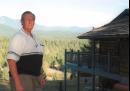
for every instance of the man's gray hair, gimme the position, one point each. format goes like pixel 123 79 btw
pixel 27 12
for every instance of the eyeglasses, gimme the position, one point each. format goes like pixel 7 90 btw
pixel 36 44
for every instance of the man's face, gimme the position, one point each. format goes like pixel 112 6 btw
pixel 28 22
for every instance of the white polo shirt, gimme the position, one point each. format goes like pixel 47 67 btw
pixel 27 52
pixel 23 44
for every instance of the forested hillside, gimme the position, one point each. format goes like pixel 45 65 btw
pixel 54 39
pixel 53 52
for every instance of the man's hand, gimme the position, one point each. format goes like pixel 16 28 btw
pixel 19 87
pixel 42 81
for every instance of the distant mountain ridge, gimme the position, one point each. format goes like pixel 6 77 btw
pixel 10 22
pixel 7 24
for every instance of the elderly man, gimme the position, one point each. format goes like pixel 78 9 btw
pixel 25 57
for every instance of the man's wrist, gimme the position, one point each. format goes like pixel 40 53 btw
pixel 43 74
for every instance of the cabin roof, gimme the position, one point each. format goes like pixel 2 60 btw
pixel 118 28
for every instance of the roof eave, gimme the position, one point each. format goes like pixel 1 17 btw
pixel 105 36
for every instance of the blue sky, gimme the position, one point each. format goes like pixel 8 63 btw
pixel 81 13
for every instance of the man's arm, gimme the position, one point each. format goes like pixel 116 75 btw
pixel 43 74
pixel 42 78
pixel 14 74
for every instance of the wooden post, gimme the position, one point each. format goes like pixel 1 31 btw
pixel 65 72
pixel 78 78
pixel 109 62
pixel 93 65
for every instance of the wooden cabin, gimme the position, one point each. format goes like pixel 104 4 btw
pixel 109 57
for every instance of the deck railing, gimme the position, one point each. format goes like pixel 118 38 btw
pixel 105 63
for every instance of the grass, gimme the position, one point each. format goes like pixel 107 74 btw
pixel 4 85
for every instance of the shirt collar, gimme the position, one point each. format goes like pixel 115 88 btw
pixel 23 31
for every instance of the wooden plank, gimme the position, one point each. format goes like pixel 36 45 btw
pixel 98 72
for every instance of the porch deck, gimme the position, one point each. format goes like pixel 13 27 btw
pixel 96 64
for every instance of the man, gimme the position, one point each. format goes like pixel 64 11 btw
pixel 25 57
